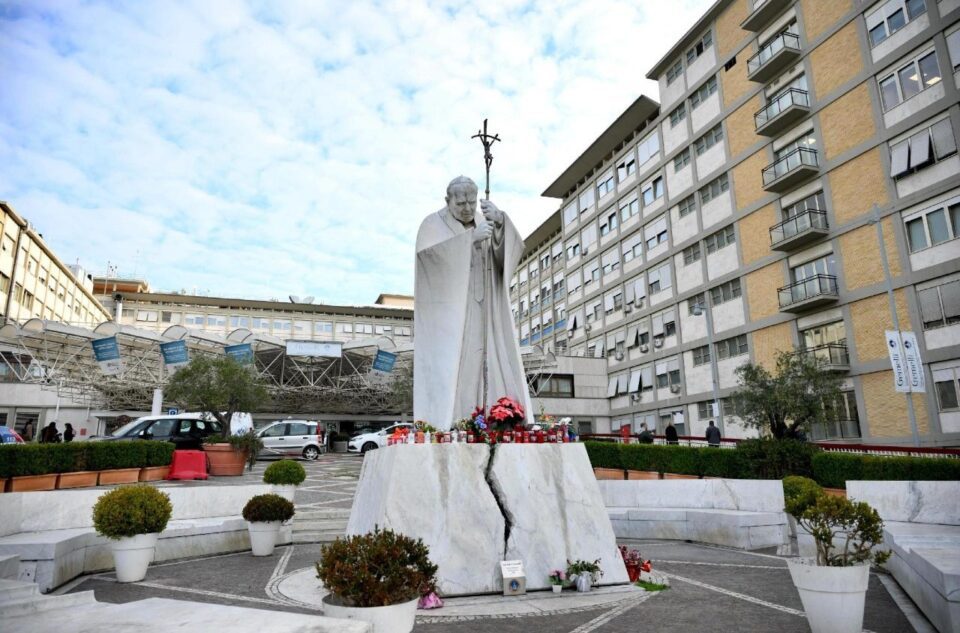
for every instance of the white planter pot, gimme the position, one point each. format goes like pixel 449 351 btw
pixel 833 597
pixel 285 490
pixel 132 555
pixel 263 536
pixel 556 588
pixel 396 618
pixel 583 582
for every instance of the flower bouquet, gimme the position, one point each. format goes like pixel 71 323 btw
pixel 584 573
pixel 634 562
pixel 557 577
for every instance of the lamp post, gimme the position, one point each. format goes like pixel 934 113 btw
pixel 699 308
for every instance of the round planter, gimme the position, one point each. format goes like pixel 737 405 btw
pixel 584 581
pixel 224 460
pixel 263 536
pixel 132 555
pixel 339 447
pixel 833 597
pixel 29 483
pixel 396 618
pixel 287 491
pixel 556 588
pixel 80 479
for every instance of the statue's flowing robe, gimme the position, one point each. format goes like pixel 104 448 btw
pixel 449 303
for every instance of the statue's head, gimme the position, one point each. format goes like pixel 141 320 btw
pixel 462 199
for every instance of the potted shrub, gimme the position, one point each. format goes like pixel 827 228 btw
pixel 117 462
pixel 70 460
pixel 227 454
pixel 557 577
pixel 340 440
pixel 833 585
pixel 264 515
pixel 800 493
pixel 584 573
pixel 376 577
pixel 29 467
pixel 132 517
pixel 285 475
pixel 157 460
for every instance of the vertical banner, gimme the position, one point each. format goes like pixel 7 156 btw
pixel 913 362
pixel 107 353
pixel 384 361
pixel 175 353
pixel 896 361
pixel 242 353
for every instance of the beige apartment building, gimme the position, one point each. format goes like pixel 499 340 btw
pixel 797 189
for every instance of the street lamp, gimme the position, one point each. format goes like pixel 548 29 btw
pixel 700 307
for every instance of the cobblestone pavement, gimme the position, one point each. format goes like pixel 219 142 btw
pixel 713 588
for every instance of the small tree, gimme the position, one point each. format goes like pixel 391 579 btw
pixel 219 386
pixel 789 401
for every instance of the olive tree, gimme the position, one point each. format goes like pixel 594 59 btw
pixel 217 385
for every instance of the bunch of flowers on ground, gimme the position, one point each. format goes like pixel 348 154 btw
pixel 557 577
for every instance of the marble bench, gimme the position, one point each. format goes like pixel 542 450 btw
pixel 745 514
pixel 53 535
pixel 922 531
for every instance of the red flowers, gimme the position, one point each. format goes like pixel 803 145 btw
pixel 507 411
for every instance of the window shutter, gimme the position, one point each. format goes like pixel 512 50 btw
pixel 632 339
pixel 598 350
pixel 930 310
pixel 640 288
pixel 634 381
pixel 608 303
pixel 944 142
pixel 612 387
pixel 899 159
pixel 920 149
pixel 622 383
pixel 647 376
pixel 950 294
pixel 658 325
pixel 630 292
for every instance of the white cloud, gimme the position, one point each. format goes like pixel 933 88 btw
pixel 266 149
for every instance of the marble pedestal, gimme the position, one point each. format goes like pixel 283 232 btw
pixel 539 503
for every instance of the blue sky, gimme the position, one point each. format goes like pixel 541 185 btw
pixel 265 149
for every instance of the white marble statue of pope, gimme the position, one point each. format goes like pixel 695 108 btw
pixel 450 299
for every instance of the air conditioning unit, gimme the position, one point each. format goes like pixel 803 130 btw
pixel 619 356
pixel 584 252
pixel 658 341
pixel 675 388
pixel 628 308
pixel 635 397
pixel 644 348
pixel 587 327
pixel 639 303
pixel 570 333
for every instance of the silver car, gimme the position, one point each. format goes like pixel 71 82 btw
pixel 291 438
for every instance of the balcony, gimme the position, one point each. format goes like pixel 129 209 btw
pixel 763 12
pixel 775 57
pixel 790 170
pixel 808 293
pixel 786 109
pixel 799 230
pixel 832 356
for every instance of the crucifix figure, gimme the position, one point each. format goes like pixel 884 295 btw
pixel 466 353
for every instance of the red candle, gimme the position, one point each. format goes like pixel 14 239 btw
pixel 540 437
pixel 469 438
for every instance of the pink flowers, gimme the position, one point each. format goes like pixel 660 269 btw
pixel 507 412
pixel 557 577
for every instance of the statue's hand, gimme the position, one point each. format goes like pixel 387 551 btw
pixel 491 212
pixel 482 231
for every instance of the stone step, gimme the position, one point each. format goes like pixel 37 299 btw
pixel 10 567
pixel 76 603
pixel 16 590
pixel 320 526
pixel 325 513
pixel 316 537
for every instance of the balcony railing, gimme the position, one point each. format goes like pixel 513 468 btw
pixel 774 57
pixel 833 356
pixel 807 293
pixel 800 229
pixel 790 169
pixel 787 107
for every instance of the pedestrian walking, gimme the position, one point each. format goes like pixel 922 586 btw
pixel 645 437
pixel 713 435
pixel 671 433
pixel 50 434
pixel 27 431
pixel 68 433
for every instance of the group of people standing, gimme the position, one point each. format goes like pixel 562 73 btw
pixel 49 434
pixel 712 435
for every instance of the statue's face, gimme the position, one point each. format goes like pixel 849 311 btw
pixel 462 203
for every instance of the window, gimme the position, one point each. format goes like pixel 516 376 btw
pixel 609 223
pixel 698 49
pixel 705 409
pixel 826 334
pixel 193 319
pixel 953 46
pixel 591 273
pixel 149 316
pixel 545 261
pixel 940 305
pixel 679 114
pixel 282 325
pixel 909 80
pixel 668 373
pixel 656 233
pixel 610 262
pixel 922 149
pixel 807 140
pixel 815 202
pixel 945 381
pixel 702 93
pixel 629 208
pixel 664 324
pixel 933 226
pixel 714 188
pixel 674 71
pixel 573 282
pixel 731 347
pixel 708 140
pixel 723 237
pixel 626 167
pixel 730 407
pixel 822 266
pixel 345 328
pixel 687 206
pixel 569 213
pixel 652 191
pixel 681 160
pixel 701 356
pixel 647 148
pixel 659 279
pixel 556 251
pixel 588 237
pixel 725 292
pixel 891 17
pixel 613 301
pixel 697 301
pixel 605 184
pixel 557 386
pixel 691 254
pixel 632 247
pixel 587 199
pixel 573 248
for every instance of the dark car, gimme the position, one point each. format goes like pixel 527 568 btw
pixel 186 432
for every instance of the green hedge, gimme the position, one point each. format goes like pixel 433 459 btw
pixel 17 460
pixel 833 470
pixel 604 454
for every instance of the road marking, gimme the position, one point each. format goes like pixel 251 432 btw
pixel 735 594
pixel 600 620
pixel 690 562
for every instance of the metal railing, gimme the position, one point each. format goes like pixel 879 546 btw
pixel 808 288
pixel 830 353
pixel 800 223
pixel 792 160
pixel 787 98
pixel 771 48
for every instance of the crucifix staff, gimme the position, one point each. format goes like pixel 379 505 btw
pixel 488 140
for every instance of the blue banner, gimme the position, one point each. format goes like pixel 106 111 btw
pixel 384 361
pixel 175 353
pixel 107 353
pixel 242 353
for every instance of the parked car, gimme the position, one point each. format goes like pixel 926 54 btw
pixel 185 430
pixel 364 442
pixel 289 438
pixel 9 436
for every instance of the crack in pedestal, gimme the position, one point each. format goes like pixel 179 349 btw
pixel 495 491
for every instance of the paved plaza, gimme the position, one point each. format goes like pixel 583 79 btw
pixel 712 588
